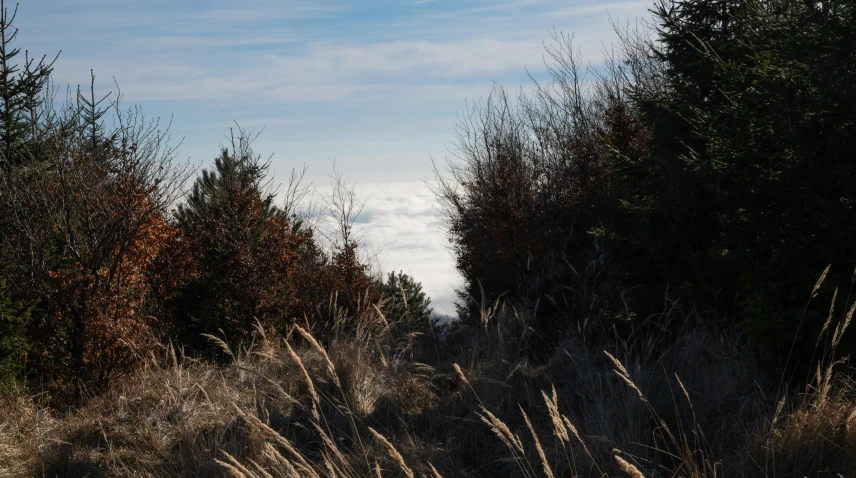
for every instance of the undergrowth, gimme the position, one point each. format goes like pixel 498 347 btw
pixel 380 402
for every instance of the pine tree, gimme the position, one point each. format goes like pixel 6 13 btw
pixel 244 253
pixel 406 303
pixel 21 86
pixel 234 185
pixel 90 118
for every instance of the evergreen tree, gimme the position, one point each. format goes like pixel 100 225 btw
pixel 747 193
pixel 406 303
pixel 229 190
pixel 90 121
pixel 244 253
pixel 21 86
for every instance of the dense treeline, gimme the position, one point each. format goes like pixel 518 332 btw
pixel 711 161
pixel 104 257
pixel 645 247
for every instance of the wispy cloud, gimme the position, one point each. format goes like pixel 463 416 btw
pixel 513 5
pixel 323 72
pixel 426 59
pixel 620 9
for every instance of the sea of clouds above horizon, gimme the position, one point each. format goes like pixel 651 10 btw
pixel 400 230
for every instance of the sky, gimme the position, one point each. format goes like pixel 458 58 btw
pixel 372 85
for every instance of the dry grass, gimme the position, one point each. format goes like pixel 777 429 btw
pixel 365 405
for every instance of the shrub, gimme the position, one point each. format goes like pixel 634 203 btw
pixel 13 340
pixel 87 219
pixel 531 182
pixel 340 283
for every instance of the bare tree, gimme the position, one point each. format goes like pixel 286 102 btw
pixel 294 196
pixel 341 207
pixel 529 170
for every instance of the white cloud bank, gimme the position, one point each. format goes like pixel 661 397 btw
pixel 402 221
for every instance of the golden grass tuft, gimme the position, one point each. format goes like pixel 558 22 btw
pixel 548 471
pixel 396 456
pixel 628 468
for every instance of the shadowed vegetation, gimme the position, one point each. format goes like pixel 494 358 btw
pixel 645 246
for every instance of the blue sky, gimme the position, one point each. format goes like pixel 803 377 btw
pixel 374 85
